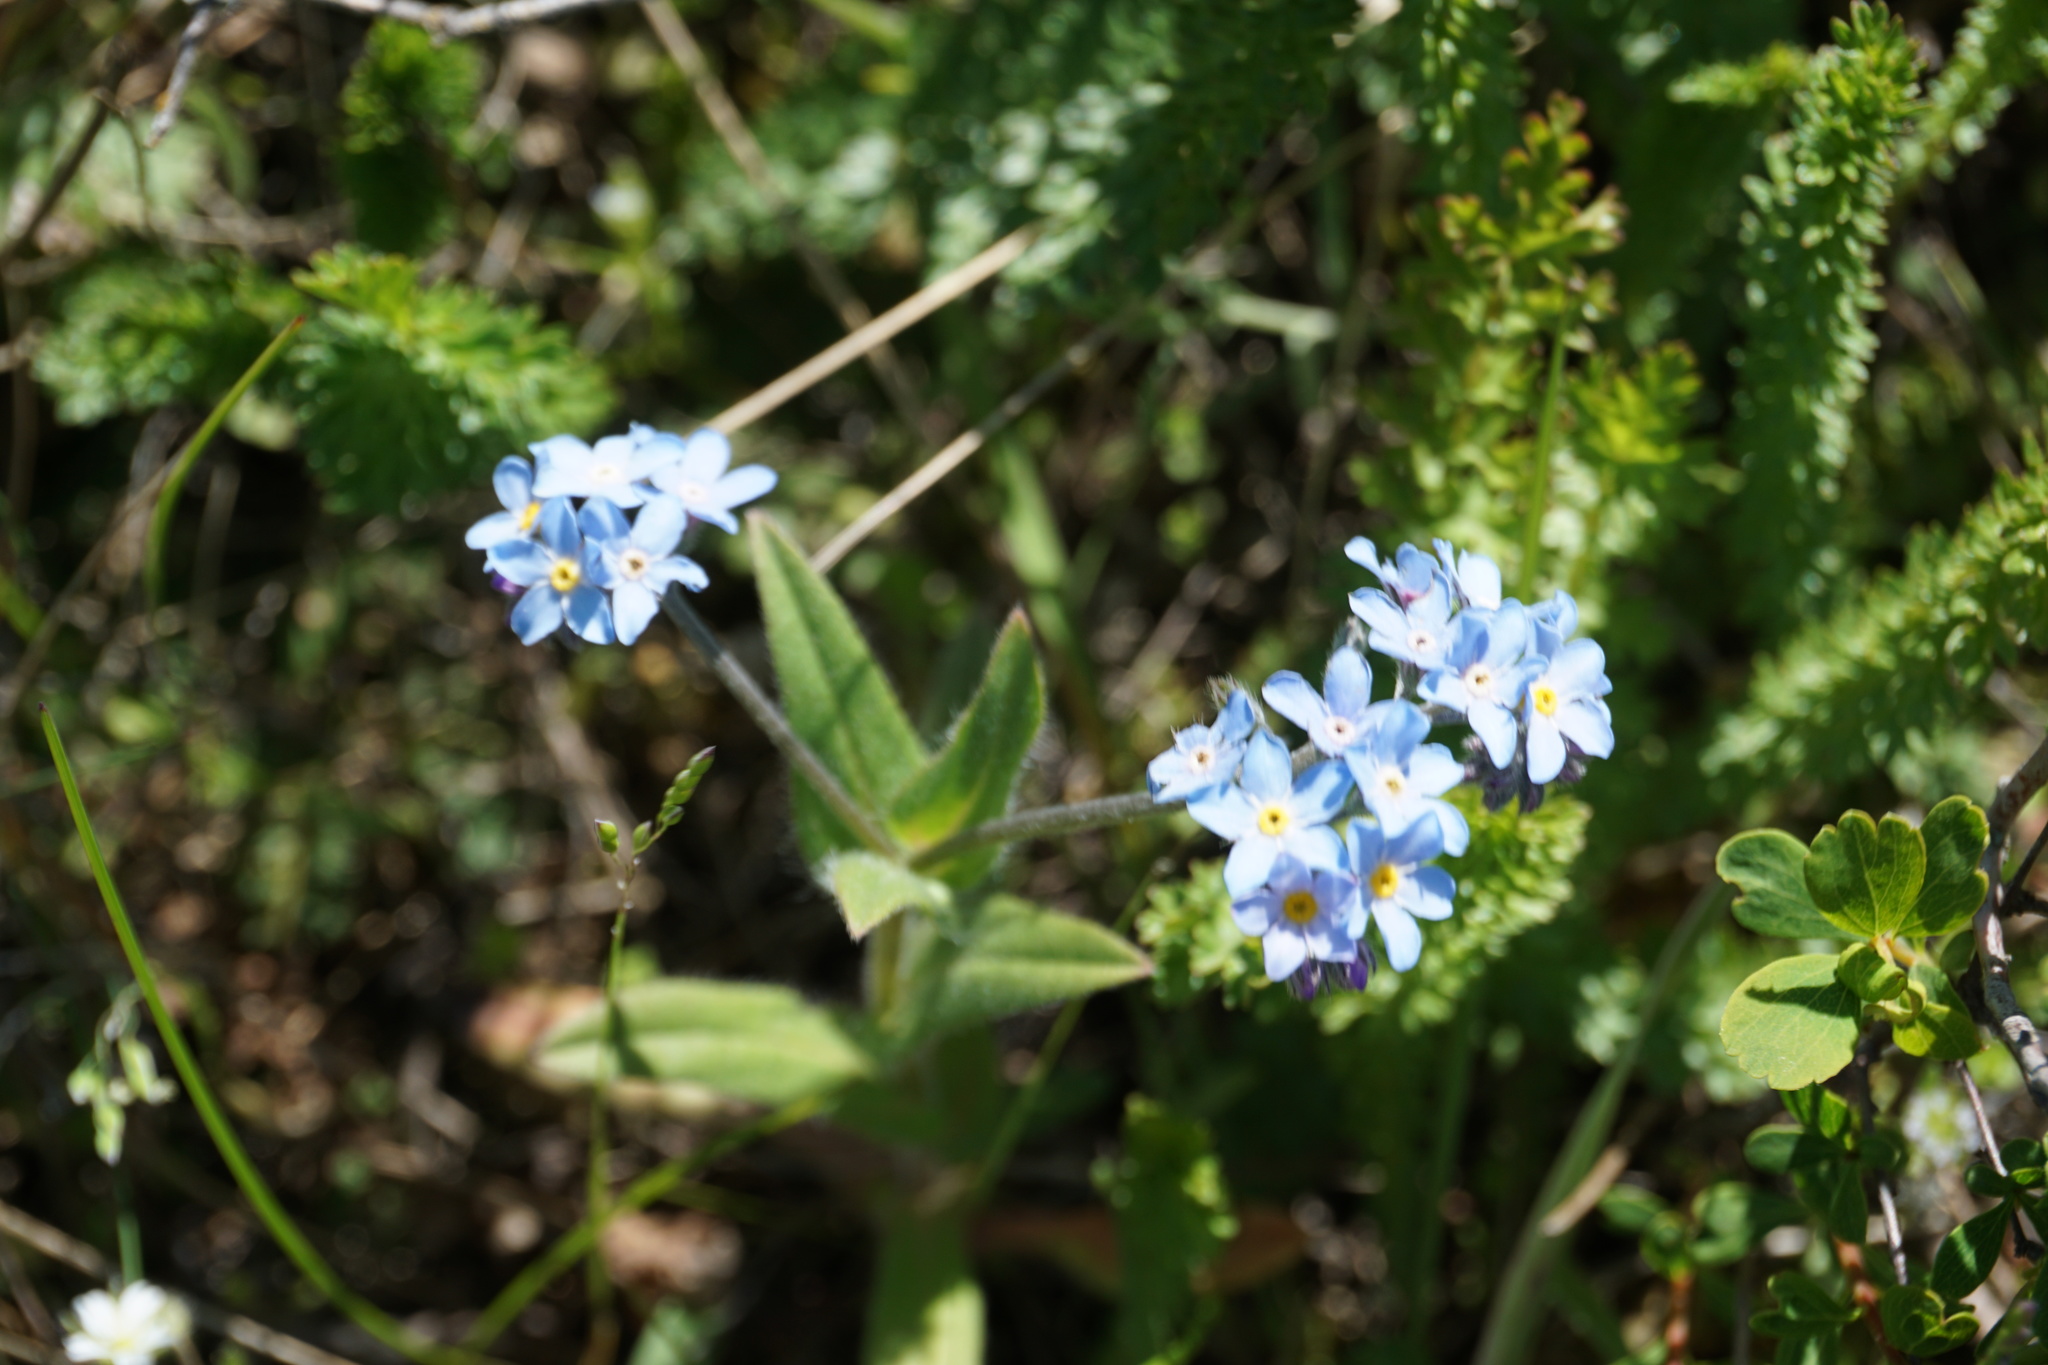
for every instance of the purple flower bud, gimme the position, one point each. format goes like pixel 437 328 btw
pixel 500 583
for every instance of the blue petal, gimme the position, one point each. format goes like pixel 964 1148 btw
pixel 512 481
pixel 744 484
pixel 1268 771
pixel 1368 845
pixel 1397 726
pixel 1400 932
pixel 665 573
pixel 1238 717
pixel 589 614
pixel 1316 845
pixel 1479 580
pixel 1320 793
pixel 717 516
pixel 558 528
pixel 1496 730
pixel 1445 688
pixel 1360 551
pixel 1285 951
pixel 660 524
pixel 1347 683
pixel 1450 823
pixel 633 606
pixel 1250 860
pixel 1507 635
pixel 494 529
pixel 1418 843
pixel 1431 893
pixel 1225 811
pixel 537 615
pixel 1546 749
pixel 1289 693
pixel 521 561
pixel 602 520
pixel 706 454
pixel 1434 770
pixel 1255 913
pixel 1580 670
pixel 1585 725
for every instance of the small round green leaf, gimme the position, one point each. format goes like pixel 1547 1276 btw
pixel 1954 834
pixel 1769 867
pixel 1792 1024
pixel 1865 875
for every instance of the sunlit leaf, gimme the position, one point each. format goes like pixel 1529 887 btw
pixel 1792 1023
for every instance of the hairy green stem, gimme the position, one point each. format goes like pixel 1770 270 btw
pixel 1512 1319
pixel 766 714
pixel 1046 822
pixel 1011 1129
pixel 1537 493
pixel 573 1244
pixel 255 1189
pixel 181 467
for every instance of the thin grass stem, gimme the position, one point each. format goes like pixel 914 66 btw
pixel 255 1189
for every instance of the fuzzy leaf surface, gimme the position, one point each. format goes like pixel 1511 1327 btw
pixel 872 888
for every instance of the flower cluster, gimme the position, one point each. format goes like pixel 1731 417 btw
pixel 589 566
pixel 1306 880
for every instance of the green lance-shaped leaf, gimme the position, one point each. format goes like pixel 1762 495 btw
pixel 872 888
pixel 1779 1150
pixel 836 696
pixel 673 801
pixel 1955 834
pixel 1917 1321
pixel 763 1044
pixel 972 778
pixel 1943 1028
pixel 1792 1024
pixel 1865 875
pixel 926 1308
pixel 1968 1255
pixel 1769 866
pixel 1869 973
pixel 1015 956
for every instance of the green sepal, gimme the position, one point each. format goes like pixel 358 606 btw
pixel 1942 1028
pixel 834 692
pixel 762 1044
pixel 1792 1024
pixel 1954 836
pixel 1769 866
pixel 1970 1252
pixel 871 888
pixel 972 778
pixel 1865 875
pixel 1917 1320
pixel 1869 973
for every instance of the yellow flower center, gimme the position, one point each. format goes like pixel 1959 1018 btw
pixel 528 515
pixel 1385 880
pixel 1544 697
pixel 565 575
pixel 633 563
pixel 1299 906
pixel 1274 820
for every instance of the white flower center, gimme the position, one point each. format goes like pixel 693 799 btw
pixel 1339 731
pixel 1391 783
pixel 634 563
pixel 1421 642
pixel 693 492
pixel 1479 682
pixel 1201 758
pixel 607 473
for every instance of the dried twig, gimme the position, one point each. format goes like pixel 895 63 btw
pixel 25 1297
pixel 740 143
pixel 912 310
pixel 67 169
pixel 34 1352
pixel 206 16
pixel 2001 1008
pixel 961 447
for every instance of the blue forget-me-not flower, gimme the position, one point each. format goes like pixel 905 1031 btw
pixel 1564 703
pixel 1402 780
pixel 1203 756
pixel 1269 813
pixel 1474 577
pixel 1301 915
pixel 557 583
pixel 638 563
pixel 1337 717
pixel 1417 633
pixel 1394 886
pixel 615 469
pixel 1406 576
pixel 695 471
pixel 1484 674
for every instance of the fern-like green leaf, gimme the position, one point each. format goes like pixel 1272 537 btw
pixel 2001 44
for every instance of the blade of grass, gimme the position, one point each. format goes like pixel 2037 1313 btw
pixel 255 1189
pixel 181 467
